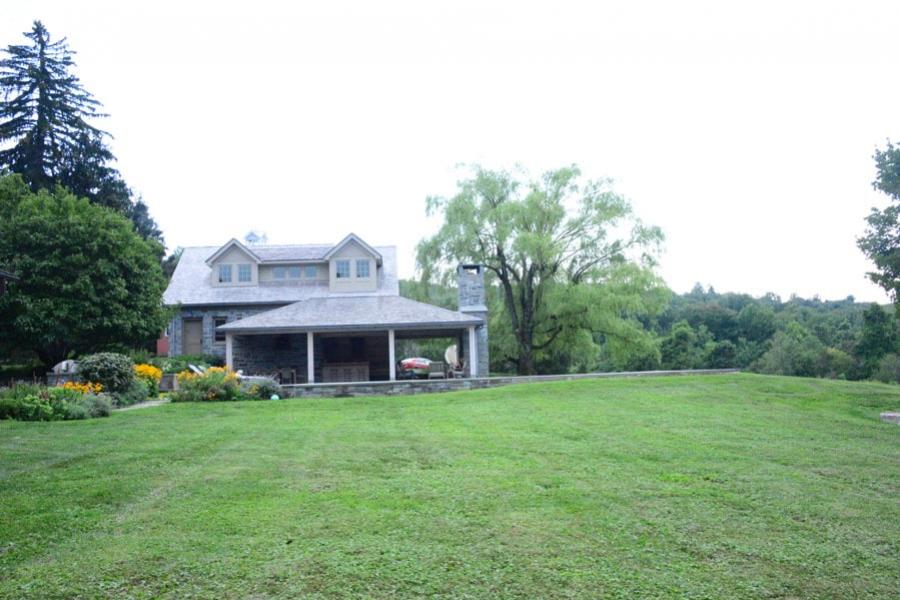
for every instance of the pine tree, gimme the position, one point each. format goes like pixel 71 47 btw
pixel 45 109
pixel 45 129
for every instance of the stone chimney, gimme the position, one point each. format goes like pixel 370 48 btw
pixel 472 301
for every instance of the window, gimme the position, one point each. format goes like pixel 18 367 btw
pixel 280 272
pixel 294 272
pixel 218 322
pixel 224 273
pixel 342 269
pixel 362 268
pixel 310 271
pixel 245 275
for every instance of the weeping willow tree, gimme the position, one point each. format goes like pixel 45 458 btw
pixel 570 265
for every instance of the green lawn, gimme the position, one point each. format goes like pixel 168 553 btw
pixel 684 487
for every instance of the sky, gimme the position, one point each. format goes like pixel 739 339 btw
pixel 744 130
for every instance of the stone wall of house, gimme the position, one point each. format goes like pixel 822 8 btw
pixel 266 354
pixel 208 314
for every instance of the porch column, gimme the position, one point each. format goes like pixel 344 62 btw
pixel 310 358
pixel 392 361
pixel 472 354
pixel 229 350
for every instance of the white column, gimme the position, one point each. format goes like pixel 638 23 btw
pixel 310 358
pixel 229 350
pixel 392 360
pixel 473 354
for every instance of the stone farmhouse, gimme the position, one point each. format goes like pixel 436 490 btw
pixel 318 313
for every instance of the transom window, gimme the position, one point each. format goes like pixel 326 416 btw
pixel 362 268
pixel 245 274
pixel 224 273
pixel 311 271
pixel 342 269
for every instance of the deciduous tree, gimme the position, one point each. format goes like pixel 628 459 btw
pixel 86 282
pixel 881 240
pixel 556 248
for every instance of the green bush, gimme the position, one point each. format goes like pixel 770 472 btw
pixel 136 392
pixel 216 384
pixel 264 390
pixel 97 405
pixel 114 371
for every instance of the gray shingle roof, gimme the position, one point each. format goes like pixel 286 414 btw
pixel 352 313
pixel 191 283
pixel 298 252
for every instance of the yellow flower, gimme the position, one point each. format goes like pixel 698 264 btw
pixel 87 387
pixel 148 372
pixel 185 376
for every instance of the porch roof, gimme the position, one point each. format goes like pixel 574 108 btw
pixel 352 313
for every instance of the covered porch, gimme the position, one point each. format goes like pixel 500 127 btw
pixel 347 339
pixel 335 357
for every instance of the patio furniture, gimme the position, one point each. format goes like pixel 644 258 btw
pixel 437 370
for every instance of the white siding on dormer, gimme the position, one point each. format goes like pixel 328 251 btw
pixel 353 252
pixel 234 256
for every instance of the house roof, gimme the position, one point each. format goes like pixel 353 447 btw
pixel 191 284
pixel 7 275
pixel 353 238
pixel 352 313
pixel 231 244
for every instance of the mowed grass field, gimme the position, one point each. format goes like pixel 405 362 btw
pixel 724 486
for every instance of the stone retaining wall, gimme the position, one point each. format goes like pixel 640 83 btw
pixel 421 386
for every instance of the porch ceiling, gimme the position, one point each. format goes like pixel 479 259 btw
pixel 360 313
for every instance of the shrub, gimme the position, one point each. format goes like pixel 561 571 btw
pixel 136 392
pixel 32 407
pixel 97 405
pixel 215 384
pixel 149 376
pixel 264 390
pixel 114 371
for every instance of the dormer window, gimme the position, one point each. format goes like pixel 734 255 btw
pixel 245 274
pixel 342 269
pixel 292 272
pixel 362 268
pixel 224 273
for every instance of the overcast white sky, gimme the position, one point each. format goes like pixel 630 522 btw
pixel 744 130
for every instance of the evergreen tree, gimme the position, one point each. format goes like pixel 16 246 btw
pixel 45 128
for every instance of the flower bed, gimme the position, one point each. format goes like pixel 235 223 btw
pixel 70 401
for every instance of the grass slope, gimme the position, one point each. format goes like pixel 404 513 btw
pixel 685 487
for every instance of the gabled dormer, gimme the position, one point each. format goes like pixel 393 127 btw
pixel 353 266
pixel 234 264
